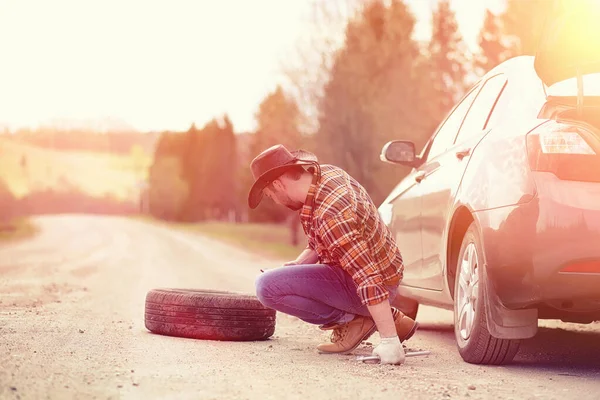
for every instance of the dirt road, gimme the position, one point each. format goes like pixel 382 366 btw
pixel 72 327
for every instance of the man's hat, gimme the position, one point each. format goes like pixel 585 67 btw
pixel 270 165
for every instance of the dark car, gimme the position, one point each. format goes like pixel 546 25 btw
pixel 499 219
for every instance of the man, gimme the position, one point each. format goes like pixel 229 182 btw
pixel 345 278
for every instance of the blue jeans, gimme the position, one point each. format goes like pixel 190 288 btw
pixel 315 293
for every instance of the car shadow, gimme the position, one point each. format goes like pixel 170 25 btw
pixel 562 351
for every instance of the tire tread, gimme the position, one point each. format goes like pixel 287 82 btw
pixel 482 347
pixel 206 314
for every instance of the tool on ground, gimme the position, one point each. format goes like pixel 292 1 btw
pixel 407 354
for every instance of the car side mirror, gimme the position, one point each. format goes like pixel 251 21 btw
pixel 400 152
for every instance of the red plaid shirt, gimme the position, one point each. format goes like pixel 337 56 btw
pixel 343 226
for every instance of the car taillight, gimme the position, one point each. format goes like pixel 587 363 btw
pixel 563 150
pixel 583 267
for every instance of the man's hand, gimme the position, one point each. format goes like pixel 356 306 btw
pixel 289 263
pixel 308 256
pixel 390 351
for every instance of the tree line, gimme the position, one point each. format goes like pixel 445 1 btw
pixel 380 85
pixel 204 173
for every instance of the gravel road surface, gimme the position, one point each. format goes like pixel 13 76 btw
pixel 72 327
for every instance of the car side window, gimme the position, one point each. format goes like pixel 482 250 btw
pixel 483 107
pixel 445 135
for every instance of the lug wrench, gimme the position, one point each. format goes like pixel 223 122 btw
pixel 407 354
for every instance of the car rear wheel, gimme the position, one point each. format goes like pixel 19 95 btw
pixel 475 344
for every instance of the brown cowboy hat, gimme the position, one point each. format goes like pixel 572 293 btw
pixel 270 164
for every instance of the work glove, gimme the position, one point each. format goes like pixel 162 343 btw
pixel 390 351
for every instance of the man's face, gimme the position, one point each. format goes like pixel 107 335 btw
pixel 276 191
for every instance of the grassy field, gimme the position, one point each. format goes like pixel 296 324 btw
pixel 95 174
pixel 270 240
pixel 19 229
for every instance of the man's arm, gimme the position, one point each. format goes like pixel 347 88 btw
pixel 382 315
pixel 342 237
pixel 308 256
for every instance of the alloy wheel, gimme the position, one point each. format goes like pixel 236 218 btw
pixel 468 291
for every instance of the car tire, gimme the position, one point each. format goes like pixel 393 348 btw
pixel 208 314
pixel 475 344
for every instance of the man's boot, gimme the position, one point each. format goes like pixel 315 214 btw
pixel 405 326
pixel 347 337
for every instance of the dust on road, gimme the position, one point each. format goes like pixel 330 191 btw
pixel 72 327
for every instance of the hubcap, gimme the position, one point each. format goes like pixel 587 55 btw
pixel 468 290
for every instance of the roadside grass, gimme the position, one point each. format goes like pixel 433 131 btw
pixel 266 239
pixel 18 229
pixel 269 240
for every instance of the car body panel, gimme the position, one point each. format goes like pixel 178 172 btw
pixel 495 175
pixel 525 218
pixel 405 223
pixel 527 245
pixel 439 189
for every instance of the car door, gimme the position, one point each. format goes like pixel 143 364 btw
pixel 443 170
pixel 405 202
pixel 407 198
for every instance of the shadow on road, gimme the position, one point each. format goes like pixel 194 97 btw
pixel 559 349
pixel 566 352
pixel 438 331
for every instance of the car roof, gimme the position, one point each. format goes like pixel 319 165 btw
pixel 519 68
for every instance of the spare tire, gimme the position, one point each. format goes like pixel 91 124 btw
pixel 208 314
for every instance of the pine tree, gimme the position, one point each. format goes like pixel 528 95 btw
pixel 523 22
pixel 448 59
pixel 168 191
pixel 277 118
pixel 224 169
pixel 195 162
pixel 377 92
pixel 494 46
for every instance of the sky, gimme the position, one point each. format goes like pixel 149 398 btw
pixel 159 65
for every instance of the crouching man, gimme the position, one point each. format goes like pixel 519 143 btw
pixel 346 277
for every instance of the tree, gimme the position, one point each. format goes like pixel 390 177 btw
pixel 523 22
pixel 278 119
pixel 209 168
pixel 168 190
pixel 224 168
pixel 376 92
pixel 195 161
pixel 448 60
pixel 310 69
pixel 494 46
pixel 170 144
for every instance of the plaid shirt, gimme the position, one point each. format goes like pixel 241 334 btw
pixel 344 227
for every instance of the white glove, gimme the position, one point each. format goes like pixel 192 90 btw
pixel 390 351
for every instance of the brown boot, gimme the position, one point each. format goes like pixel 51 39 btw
pixel 347 337
pixel 405 326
